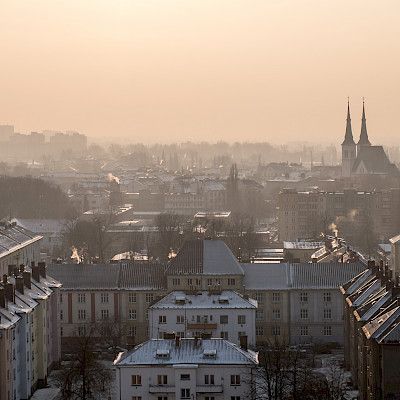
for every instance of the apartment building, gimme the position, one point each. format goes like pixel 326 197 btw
pixel 17 246
pixel 306 214
pixel 209 369
pixel 29 330
pixel 108 292
pixel 296 302
pixel 224 314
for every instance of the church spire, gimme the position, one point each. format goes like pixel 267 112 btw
pixel 364 141
pixel 348 137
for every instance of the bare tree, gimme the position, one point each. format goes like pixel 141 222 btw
pixel 85 376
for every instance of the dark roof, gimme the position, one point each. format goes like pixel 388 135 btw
pixel 109 276
pixel 375 161
pixel 13 237
pixel 208 257
pixel 299 275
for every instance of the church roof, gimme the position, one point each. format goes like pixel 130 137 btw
pixel 375 161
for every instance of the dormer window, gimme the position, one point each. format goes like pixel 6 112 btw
pixel 162 354
pixel 210 353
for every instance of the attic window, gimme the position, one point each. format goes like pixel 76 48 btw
pixel 180 299
pixel 223 300
pixel 210 353
pixel 162 353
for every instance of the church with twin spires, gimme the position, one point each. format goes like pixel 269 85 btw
pixel 363 158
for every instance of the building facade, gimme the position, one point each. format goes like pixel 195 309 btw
pixel 224 314
pixel 212 369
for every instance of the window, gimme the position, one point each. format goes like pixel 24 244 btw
pixel 276 313
pixel 231 282
pixel 303 313
pixel 132 297
pixel 209 379
pixel 276 330
pixel 209 282
pixel 132 331
pixel 104 314
pixel 209 398
pixel 259 315
pixel 327 330
pixel 81 298
pixel 235 380
pixel 235 397
pixel 149 297
pixel 81 330
pixel 259 331
pixel 162 398
pixel 327 297
pixel 223 319
pixel 241 319
pixel 81 314
pixel 190 281
pixel 224 335
pixel 162 379
pixel 136 397
pixel 276 297
pixel 176 281
pixel 259 296
pixel 104 297
pixel 61 315
pixel 180 319
pixel 136 380
pixel 162 319
pixel 185 377
pixel 132 314
pixel 185 393
pixel 61 297
pixel 304 331
pixel 327 313
pixel 304 297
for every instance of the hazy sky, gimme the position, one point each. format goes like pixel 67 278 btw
pixel 273 70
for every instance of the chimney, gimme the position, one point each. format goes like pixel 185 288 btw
pixel 243 342
pixel 42 269
pixel 177 341
pixel 371 263
pixel 389 284
pixel 16 271
pixel 27 279
pixel 35 273
pixel 19 284
pixel 11 269
pixel 10 292
pixel 381 263
pixel 2 298
pixel 22 268
pixel 4 279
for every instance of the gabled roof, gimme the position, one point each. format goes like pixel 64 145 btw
pixel 385 328
pixel 207 257
pixel 188 352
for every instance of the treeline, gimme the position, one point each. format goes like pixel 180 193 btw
pixel 27 197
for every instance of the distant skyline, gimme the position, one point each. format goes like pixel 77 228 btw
pixel 177 70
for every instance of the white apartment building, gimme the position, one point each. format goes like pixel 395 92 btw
pixel 219 314
pixel 186 369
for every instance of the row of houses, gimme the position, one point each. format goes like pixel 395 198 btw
pixel 295 302
pixel 372 329
pixel 29 330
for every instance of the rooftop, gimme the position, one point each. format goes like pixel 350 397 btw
pixel 204 299
pixel 189 351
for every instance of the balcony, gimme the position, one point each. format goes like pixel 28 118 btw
pixel 209 389
pixel 201 326
pixel 162 389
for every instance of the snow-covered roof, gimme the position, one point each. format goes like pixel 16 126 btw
pixel 189 351
pixel 204 300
